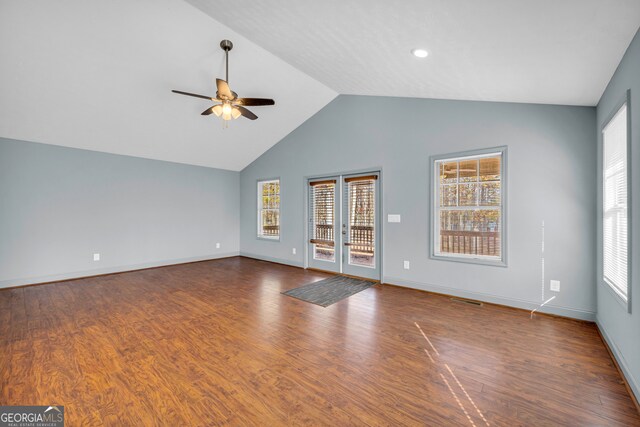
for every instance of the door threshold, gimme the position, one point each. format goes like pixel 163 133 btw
pixel 368 279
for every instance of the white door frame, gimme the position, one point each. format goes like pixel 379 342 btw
pixel 305 225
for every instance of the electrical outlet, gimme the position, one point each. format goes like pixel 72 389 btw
pixel 406 265
pixel 217 245
pixel 96 257
pixel 293 251
pixel 555 285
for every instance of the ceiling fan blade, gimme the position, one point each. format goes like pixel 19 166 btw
pixel 194 94
pixel 223 90
pixel 254 101
pixel 248 114
pixel 207 111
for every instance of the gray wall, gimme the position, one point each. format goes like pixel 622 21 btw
pixel 620 328
pixel 60 205
pixel 551 178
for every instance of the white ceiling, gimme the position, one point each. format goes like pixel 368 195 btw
pixel 98 74
pixel 534 51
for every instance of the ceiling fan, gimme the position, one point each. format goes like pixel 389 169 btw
pixel 230 106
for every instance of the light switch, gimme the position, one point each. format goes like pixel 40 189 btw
pixel 555 285
pixel 217 245
pixel 96 257
pixel 406 265
pixel 393 218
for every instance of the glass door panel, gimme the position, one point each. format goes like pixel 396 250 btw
pixel 324 249
pixel 360 226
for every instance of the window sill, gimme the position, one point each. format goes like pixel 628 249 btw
pixel 470 260
pixel 616 296
pixel 268 239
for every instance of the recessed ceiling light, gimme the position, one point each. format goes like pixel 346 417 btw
pixel 420 53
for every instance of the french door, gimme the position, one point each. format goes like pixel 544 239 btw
pixel 344 224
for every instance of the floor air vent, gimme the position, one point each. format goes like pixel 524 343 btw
pixel 467 301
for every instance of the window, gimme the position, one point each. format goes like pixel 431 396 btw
pixel 269 209
pixel 468 215
pixel 615 203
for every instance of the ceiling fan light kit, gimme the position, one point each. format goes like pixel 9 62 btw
pixel 230 107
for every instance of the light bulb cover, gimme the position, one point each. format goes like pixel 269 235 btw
pixel 235 112
pixel 217 109
pixel 420 53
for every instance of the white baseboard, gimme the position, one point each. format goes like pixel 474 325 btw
pixel 512 302
pixel 272 259
pixel 622 363
pixel 108 270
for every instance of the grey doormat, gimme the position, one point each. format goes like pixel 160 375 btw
pixel 329 291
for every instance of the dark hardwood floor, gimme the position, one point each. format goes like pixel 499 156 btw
pixel 216 343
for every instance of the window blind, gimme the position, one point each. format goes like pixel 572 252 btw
pixel 361 204
pixel 322 212
pixel 615 200
pixel 322 196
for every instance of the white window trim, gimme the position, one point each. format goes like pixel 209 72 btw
pixel 259 184
pixel 434 201
pixel 623 300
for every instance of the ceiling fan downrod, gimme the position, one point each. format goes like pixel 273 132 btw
pixel 226 45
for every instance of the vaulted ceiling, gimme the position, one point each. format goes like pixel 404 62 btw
pixel 97 74
pixel 532 51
